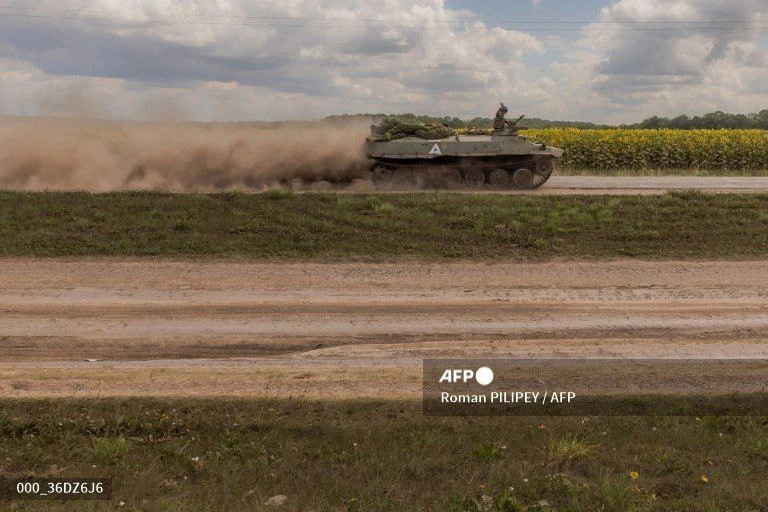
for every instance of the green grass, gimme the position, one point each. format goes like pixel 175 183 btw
pixel 108 450
pixel 568 449
pixel 173 455
pixel 280 225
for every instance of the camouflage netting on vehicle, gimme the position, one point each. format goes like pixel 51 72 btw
pixel 394 129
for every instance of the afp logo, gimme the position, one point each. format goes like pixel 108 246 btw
pixel 482 375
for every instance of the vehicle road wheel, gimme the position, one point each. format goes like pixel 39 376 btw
pixel 380 174
pixel 403 178
pixel 523 178
pixel 452 179
pixel 474 178
pixel 544 168
pixel 499 178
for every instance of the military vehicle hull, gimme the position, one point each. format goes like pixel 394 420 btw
pixel 501 160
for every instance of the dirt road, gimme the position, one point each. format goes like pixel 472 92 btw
pixel 653 184
pixel 118 326
pixel 619 185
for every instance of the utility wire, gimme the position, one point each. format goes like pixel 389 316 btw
pixel 290 22
pixel 74 12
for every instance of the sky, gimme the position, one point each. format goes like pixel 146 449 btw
pixel 603 61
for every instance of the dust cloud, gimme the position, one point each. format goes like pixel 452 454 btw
pixel 100 156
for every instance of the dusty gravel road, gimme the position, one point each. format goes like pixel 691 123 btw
pixel 614 185
pixel 104 327
pixel 653 184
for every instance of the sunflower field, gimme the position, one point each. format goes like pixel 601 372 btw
pixel 657 149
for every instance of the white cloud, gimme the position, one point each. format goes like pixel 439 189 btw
pixel 668 57
pixel 239 60
pixel 374 56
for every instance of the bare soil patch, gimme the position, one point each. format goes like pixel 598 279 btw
pixel 113 326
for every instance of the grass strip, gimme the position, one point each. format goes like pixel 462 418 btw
pixel 322 226
pixel 227 454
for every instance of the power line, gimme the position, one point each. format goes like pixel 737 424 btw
pixel 463 24
pixel 324 18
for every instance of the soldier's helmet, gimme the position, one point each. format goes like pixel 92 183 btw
pixel 503 107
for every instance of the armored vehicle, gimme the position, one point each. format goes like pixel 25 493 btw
pixel 502 159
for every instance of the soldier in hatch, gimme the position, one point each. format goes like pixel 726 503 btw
pixel 500 122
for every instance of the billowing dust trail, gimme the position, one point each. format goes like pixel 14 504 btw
pixel 120 326
pixel 103 156
pixel 99 156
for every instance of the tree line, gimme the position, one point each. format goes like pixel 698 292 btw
pixel 717 119
pixel 712 120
